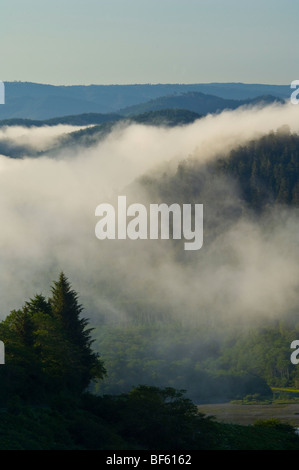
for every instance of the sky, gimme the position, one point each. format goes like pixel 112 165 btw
pixel 69 42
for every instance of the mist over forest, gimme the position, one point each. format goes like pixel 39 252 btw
pixel 154 306
pixel 149 204
pixel 48 205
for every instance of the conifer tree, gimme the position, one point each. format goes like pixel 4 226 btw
pixel 67 310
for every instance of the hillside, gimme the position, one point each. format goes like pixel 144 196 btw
pixel 41 101
pixel 84 119
pixel 196 102
pixel 98 126
pixel 200 349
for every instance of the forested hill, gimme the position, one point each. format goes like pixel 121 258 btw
pixel 173 117
pixel 265 171
pixel 197 102
pixel 42 101
pixel 98 126
pixel 253 178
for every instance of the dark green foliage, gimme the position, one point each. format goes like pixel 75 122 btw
pixel 161 418
pixel 269 356
pixel 48 347
pixel 67 312
pixel 166 355
pixel 267 169
pixel 147 418
pixel 236 437
pixel 238 365
pixel 262 173
pixel 49 361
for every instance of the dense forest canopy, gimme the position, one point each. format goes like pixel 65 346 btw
pixel 45 403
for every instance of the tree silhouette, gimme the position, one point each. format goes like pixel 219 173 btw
pixel 48 347
pixel 67 311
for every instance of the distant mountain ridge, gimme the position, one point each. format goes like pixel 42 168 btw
pixel 41 101
pixel 196 102
pixel 72 120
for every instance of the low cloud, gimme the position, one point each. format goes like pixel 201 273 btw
pixel 47 210
pixel 35 138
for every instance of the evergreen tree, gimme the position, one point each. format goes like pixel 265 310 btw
pixel 38 304
pixel 48 348
pixel 67 310
pixel 22 324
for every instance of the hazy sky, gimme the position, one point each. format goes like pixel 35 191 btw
pixel 149 41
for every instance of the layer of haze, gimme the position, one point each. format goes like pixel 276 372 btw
pixel 47 208
pixel 35 138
